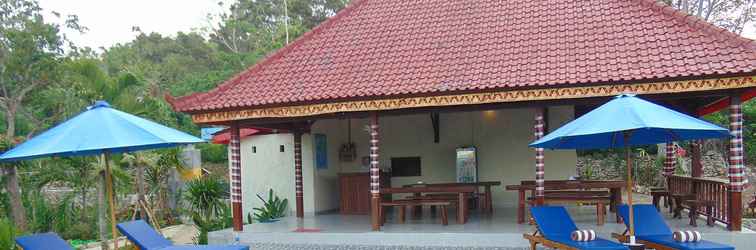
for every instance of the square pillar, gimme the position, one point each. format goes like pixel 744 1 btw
pixel 736 171
pixel 235 176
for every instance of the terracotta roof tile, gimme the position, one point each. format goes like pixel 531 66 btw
pixel 378 48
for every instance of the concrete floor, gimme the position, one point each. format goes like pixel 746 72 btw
pixel 497 231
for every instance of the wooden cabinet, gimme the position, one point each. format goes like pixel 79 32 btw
pixel 355 192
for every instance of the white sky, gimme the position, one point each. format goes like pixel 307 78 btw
pixel 110 21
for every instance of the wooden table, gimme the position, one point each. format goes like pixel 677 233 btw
pixel 615 189
pixel 487 201
pixel 462 192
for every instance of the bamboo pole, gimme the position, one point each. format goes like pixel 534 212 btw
pixel 109 184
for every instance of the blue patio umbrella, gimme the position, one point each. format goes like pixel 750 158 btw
pixel 100 130
pixel 629 121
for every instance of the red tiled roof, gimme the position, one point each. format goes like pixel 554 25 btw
pixel 384 48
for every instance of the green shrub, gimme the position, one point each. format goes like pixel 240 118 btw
pixel 213 153
pixel 206 205
pixel 7 235
pixel 272 208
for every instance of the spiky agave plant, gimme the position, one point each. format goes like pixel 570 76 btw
pixel 273 208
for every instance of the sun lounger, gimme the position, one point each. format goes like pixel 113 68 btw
pixel 554 227
pixel 146 238
pixel 43 241
pixel 652 231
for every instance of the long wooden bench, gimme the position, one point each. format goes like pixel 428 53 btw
pixel 598 198
pixel 443 205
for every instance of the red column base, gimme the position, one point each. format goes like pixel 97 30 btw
pixel 237 216
pixel 375 212
pixel 736 211
pixel 300 206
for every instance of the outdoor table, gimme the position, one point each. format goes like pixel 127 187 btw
pixel 487 201
pixel 615 189
pixel 462 193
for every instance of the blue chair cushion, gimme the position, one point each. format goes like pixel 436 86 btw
pixel 670 242
pixel 43 241
pixel 206 247
pixel 147 238
pixel 553 221
pixel 648 221
pixel 555 224
pixel 650 226
pixel 143 235
pixel 598 244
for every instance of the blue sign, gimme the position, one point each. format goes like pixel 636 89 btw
pixel 321 151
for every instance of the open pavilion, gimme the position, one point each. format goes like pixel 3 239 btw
pixel 496 75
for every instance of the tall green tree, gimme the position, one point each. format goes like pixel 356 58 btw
pixel 30 51
pixel 733 15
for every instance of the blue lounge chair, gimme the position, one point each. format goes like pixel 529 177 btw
pixel 554 227
pixel 146 238
pixel 652 231
pixel 43 241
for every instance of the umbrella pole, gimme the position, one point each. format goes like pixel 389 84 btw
pixel 109 184
pixel 630 189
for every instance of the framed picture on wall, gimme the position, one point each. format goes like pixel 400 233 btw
pixel 321 151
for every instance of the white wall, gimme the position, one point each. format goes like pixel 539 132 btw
pixel 269 168
pixel 500 136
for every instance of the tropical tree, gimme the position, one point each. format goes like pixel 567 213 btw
pixel 733 15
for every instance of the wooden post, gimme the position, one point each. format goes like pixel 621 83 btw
pixel 736 172
pixel 235 174
pixel 111 194
pixel 298 173
pixel 539 161
pixel 375 174
pixel 629 170
pixel 695 159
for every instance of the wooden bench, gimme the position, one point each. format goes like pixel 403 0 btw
pixel 693 213
pixel 395 204
pixel 600 198
pixel 661 193
pixel 443 205
pixel 678 203
pixel 416 211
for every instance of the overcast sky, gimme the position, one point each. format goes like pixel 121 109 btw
pixel 110 21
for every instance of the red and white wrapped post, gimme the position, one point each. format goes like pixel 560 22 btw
pixel 235 174
pixel 375 174
pixel 539 157
pixel 669 161
pixel 298 173
pixel 736 170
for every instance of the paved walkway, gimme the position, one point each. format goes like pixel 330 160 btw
pixel 481 232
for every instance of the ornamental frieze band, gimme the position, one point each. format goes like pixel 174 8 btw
pixel 479 98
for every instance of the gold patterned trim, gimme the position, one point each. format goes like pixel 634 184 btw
pixel 479 98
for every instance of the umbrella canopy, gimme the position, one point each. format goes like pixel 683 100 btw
pixel 628 121
pixel 648 123
pixel 99 129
